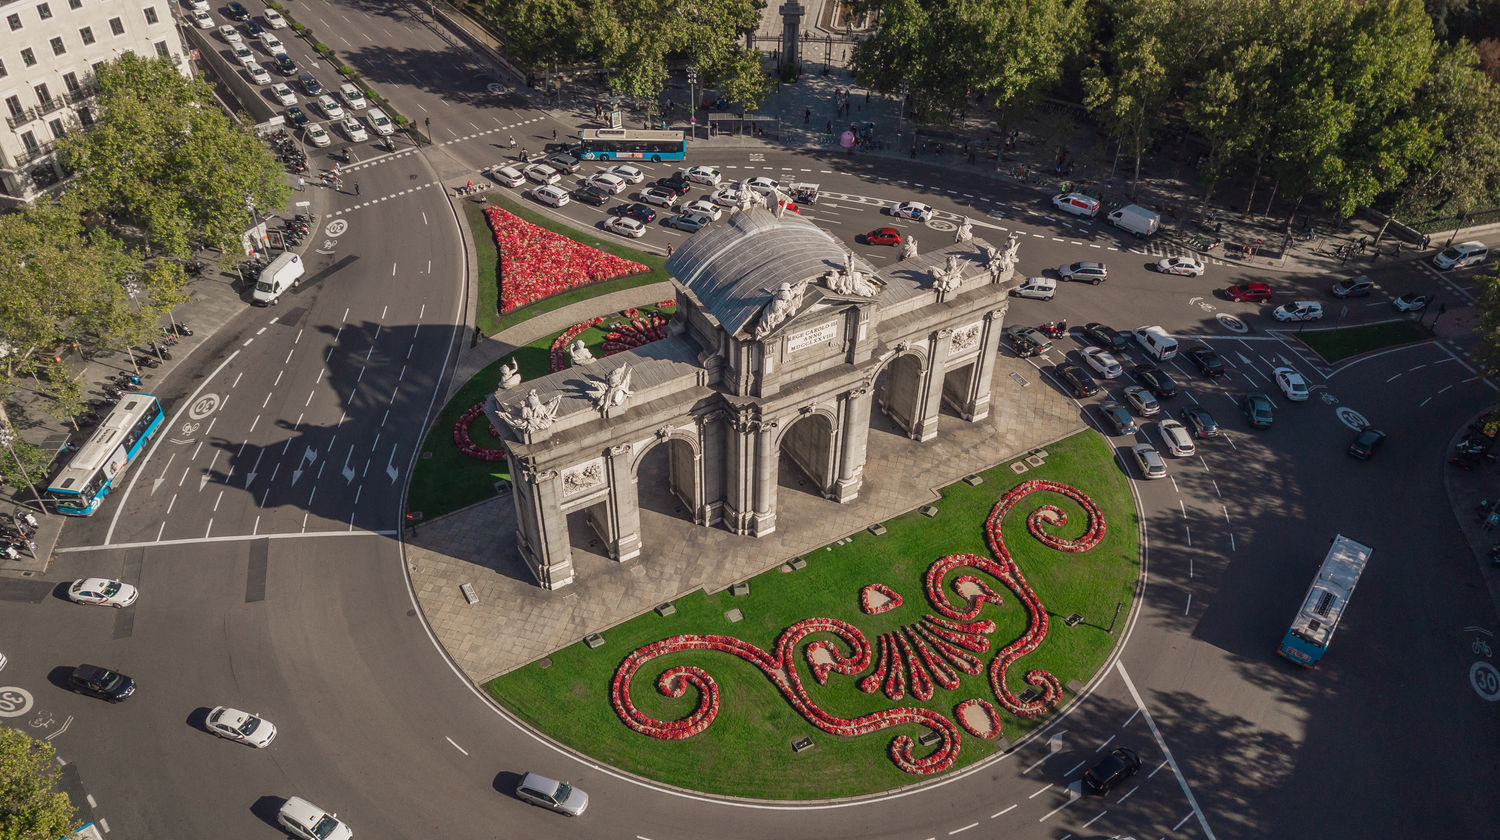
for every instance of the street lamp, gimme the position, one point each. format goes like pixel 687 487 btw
pixel 7 437
pixel 692 77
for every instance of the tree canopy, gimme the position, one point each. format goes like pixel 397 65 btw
pixel 30 808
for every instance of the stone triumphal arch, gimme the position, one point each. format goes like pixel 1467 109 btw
pixel 778 342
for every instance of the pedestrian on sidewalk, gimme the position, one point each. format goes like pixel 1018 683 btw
pixel 356 188
pixel 806 116
pixel 1425 239
pixel 1397 252
pixel 1343 255
pixel 669 250
pixel 301 183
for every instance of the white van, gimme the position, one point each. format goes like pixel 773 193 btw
pixel 1037 288
pixel 1136 219
pixel 1155 341
pixel 282 274
pixel 1460 255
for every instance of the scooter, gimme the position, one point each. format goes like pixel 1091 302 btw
pixel 1055 329
pixel 182 328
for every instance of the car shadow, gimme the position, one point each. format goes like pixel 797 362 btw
pixel 266 808
pixel 506 783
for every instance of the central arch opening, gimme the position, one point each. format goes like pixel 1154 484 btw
pixel 806 455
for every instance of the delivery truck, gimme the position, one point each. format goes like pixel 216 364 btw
pixel 282 274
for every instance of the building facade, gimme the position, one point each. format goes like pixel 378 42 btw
pixel 48 52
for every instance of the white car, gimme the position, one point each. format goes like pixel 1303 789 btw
pixel 627 173
pixel 507 175
pixel 1176 437
pixel 317 135
pixel 354 130
pixel 610 183
pixel 258 74
pixel 283 94
pixel 1037 288
pixel 763 185
pixel 659 196
pixel 1102 362
pixel 1185 266
pixel 353 96
pixel 914 210
pixel 625 226
pixel 380 123
pixel 1298 310
pixel 542 174
pixel 102 592
pixel 704 207
pixel 1411 302
pixel 272 43
pixel 309 822
pixel 726 197
pixel 1149 460
pixel 243 54
pixel 1291 383
pixel 241 726
pixel 549 194
pixel 703 175
pixel 1460 255
pixel 273 19
pixel 230 34
pixel 198 5
pixel 330 107
pixel 202 19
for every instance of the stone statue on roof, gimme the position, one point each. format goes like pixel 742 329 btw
pixel 510 374
pixel 531 415
pixel 908 248
pixel 850 280
pixel 946 279
pixel 964 233
pixel 748 198
pixel 784 304
pixel 611 391
pixel 579 354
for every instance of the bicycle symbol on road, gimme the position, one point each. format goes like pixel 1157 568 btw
pixel 1483 648
pixel 205 405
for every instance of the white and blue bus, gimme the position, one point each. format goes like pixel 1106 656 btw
pixel 94 469
pixel 1312 629
pixel 630 144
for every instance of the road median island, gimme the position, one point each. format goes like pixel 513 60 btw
pixel 886 652
pixel 1339 343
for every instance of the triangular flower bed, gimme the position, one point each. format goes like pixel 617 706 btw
pixel 536 263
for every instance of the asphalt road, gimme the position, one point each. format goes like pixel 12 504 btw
pixel 249 532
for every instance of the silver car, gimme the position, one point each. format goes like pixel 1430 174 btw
pixel 1149 460
pixel 557 796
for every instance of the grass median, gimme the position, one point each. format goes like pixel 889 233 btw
pixel 1335 345
pixel 746 751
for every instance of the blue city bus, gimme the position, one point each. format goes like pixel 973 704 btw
pixel 1326 599
pixel 630 144
pixel 94 469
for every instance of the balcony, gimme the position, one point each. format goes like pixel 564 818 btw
pixel 18 120
pixel 27 156
pixel 54 104
pixel 84 92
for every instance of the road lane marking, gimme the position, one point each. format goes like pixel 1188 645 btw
pixel 225 539
pixel 1166 753
pixel 1002 813
pixel 1049 786
pixel 965 828
pixel 455 745
pixel 1092 821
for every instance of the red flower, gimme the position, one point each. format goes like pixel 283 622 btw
pixel 535 262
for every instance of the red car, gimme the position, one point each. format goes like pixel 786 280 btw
pixel 1251 292
pixel 883 236
pixel 792 206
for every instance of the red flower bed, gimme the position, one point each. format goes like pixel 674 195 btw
pixel 867 599
pixel 535 262
pixel 560 344
pixel 467 445
pixel 636 333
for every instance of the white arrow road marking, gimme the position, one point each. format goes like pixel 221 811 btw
pixel 348 471
pixel 156 483
pixel 308 457
pixel 251 475
pixel 390 465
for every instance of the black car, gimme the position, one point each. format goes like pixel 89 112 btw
pixel 1206 360
pixel 1119 765
pixel 591 195
pixel 285 64
pixel 295 116
pixel 1026 341
pixel 253 28
pixel 101 682
pixel 309 84
pixel 676 183
pixel 237 11
pixel 562 162
pixel 640 212
pixel 1106 336
pixel 1078 383
pixel 1199 422
pixel 1366 442
pixel 1156 381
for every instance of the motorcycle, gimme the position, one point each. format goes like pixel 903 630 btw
pixel 1055 329
pixel 162 351
pixel 182 328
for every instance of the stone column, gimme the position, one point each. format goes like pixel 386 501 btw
pixel 623 540
pixel 791 34
pixel 767 460
pixel 982 385
pixel 929 406
pixel 740 470
pixel 542 527
pixel 855 410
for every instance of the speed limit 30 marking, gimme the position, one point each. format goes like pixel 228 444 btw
pixel 1486 680
pixel 14 701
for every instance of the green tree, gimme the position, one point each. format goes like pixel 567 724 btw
pixel 1464 170
pixel 1129 86
pixel 29 807
pixel 638 37
pixel 1487 307
pixel 538 32
pixel 164 159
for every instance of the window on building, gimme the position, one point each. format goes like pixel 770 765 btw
pixel 87 34
pixel 28 57
pixel 57 128
pixel 14 21
pixel 43 95
pixel 75 4
pixel 2 70
pixel 151 14
pixel 70 80
pixel 86 117
pixel 117 26
pixel 29 141
pixel 57 46
pixel 44 11
pixel 13 104
pixel 161 49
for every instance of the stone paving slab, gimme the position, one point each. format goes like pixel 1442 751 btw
pixel 515 621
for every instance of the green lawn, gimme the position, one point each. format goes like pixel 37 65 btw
pixel 445 479
pixel 746 751
pixel 1335 345
pixel 488 277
